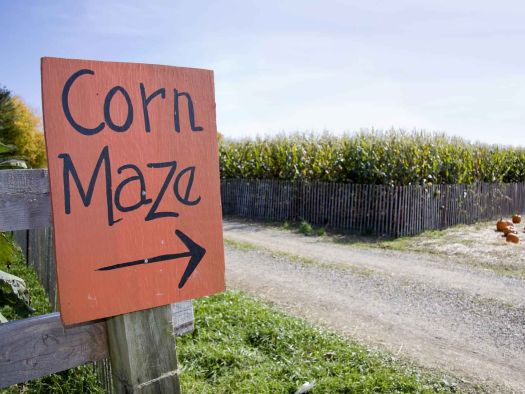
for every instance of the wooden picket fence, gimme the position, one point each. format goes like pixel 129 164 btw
pixel 392 211
pixel 37 246
pixel 42 345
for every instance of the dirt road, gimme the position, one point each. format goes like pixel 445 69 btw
pixel 456 318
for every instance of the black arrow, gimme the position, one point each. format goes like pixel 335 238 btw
pixel 195 253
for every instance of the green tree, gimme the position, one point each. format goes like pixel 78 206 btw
pixel 7 112
pixel 21 128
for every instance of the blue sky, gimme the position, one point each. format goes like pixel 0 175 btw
pixel 452 66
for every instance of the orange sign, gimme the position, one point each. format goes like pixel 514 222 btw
pixel 133 166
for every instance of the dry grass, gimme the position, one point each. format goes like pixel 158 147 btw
pixel 477 245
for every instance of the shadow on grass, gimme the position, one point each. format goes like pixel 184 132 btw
pixel 307 229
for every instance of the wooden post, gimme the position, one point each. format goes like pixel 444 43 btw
pixel 142 350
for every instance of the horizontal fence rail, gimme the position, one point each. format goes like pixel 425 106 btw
pixel 24 202
pixel 371 209
pixel 41 345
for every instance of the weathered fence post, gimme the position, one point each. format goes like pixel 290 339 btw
pixel 142 350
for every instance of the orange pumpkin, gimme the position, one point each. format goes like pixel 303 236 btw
pixel 501 225
pixel 511 237
pixel 509 229
pixel 516 218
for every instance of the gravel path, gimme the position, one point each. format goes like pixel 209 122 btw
pixel 468 322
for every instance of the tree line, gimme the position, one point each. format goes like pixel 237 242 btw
pixel 21 137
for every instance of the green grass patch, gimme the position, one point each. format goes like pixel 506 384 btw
pixel 295 259
pixel 506 270
pixel 242 245
pixel 241 345
pixel 13 262
pixel 305 228
pixel 77 380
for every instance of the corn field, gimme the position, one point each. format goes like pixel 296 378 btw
pixel 393 158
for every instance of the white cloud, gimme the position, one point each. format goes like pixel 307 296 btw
pixel 296 65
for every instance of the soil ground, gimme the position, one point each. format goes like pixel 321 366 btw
pixel 442 300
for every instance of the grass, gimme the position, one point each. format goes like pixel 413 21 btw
pixel 305 228
pixel 411 243
pixel 12 261
pixel 292 258
pixel 241 345
pixel 435 242
pixel 248 246
pixel 77 380
pixel 428 242
pixel 505 270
